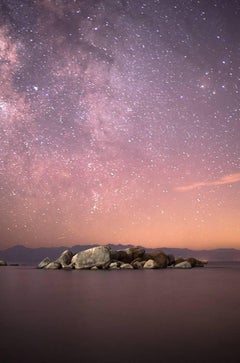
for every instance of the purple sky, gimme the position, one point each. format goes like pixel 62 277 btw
pixel 120 122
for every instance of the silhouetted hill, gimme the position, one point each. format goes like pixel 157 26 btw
pixel 32 256
pixel 219 254
pixel 26 255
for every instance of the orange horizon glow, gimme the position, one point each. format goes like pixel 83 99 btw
pixel 184 220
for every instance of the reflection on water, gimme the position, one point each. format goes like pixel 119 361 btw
pixel 120 316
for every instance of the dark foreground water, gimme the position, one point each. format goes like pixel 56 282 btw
pixel 120 316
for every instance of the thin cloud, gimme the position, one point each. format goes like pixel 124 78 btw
pixel 227 179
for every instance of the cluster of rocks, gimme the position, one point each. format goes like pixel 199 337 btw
pixel 103 257
pixel 3 263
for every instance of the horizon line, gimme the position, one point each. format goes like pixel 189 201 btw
pixel 127 244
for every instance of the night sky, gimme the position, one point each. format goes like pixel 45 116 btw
pixel 120 122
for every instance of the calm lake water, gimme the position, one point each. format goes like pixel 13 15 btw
pixel 120 316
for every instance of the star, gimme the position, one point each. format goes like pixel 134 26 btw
pixel 119 114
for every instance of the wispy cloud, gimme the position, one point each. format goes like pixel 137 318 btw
pixel 61 237
pixel 227 179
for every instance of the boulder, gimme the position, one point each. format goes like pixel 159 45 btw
pixel 123 256
pixel 94 268
pixel 3 263
pixel 135 252
pixel 204 262
pixel 184 264
pixel 150 264
pixel 126 266
pixel 44 263
pixel 53 266
pixel 171 260
pixel 65 258
pixel 127 255
pixel 96 256
pixel 179 260
pixel 160 258
pixel 137 265
pixel 138 259
pixel 194 262
pixel 114 266
pixel 114 255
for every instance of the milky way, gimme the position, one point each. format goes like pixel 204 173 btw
pixel 120 122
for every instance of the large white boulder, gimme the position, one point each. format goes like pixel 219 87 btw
pixel 96 256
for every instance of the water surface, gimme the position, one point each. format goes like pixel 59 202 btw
pixel 120 316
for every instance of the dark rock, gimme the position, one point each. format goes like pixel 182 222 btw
pixel 105 266
pixel 123 256
pixel 194 262
pixel 114 255
pixel 138 259
pixel 137 265
pixel 127 255
pixel 171 260
pixel 135 252
pixel 179 260
pixel 160 258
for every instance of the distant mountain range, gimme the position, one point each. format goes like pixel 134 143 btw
pixel 32 256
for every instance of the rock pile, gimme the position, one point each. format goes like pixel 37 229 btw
pixel 102 257
pixel 3 263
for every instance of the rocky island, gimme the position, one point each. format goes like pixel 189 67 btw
pixel 104 258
